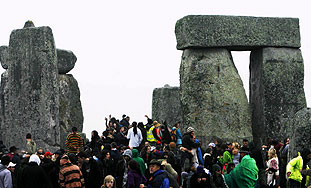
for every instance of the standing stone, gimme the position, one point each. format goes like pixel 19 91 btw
pixel 70 109
pixel 213 99
pixel 166 105
pixel 276 91
pixel 3 92
pixel 300 132
pixel 4 56
pixel 66 61
pixel 31 104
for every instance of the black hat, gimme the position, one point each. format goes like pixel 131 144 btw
pixel 155 161
pixel 13 149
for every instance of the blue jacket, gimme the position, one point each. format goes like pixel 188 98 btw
pixel 159 180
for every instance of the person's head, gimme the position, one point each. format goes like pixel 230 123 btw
pixel 245 143
pixel 13 149
pixel 190 130
pixel 286 141
pixel 5 160
pixel 40 151
pixel 82 156
pixel 109 182
pixel 94 133
pixel 243 152
pixel 74 129
pixel 216 169
pixel 271 153
pixel 106 154
pixel 230 167
pixel 133 165
pixel 235 145
pixel 122 129
pixel 235 151
pixel 177 125
pixel 127 118
pixel 154 166
pixel 28 136
pixel 172 146
pixel 114 145
pixel 127 154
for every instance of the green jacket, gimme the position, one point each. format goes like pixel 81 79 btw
pixel 226 159
pixel 244 175
pixel 141 162
pixel 294 166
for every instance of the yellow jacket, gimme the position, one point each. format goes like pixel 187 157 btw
pixel 294 167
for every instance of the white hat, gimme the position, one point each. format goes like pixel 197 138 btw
pixel 190 129
pixel 211 145
pixel 11 165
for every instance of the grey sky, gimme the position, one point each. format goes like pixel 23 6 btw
pixel 125 49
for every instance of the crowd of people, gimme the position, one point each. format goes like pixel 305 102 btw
pixel 153 155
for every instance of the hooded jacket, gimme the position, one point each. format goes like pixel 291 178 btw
pixel 141 162
pixel 5 177
pixel 294 166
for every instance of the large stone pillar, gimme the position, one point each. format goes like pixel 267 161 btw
pixel 276 91
pixel 70 109
pixel 213 99
pixel 166 105
pixel 31 104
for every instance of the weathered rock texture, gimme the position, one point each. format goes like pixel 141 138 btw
pixel 31 104
pixel 212 96
pixel 300 132
pixel 66 61
pixel 166 105
pixel 4 56
pixel 276 91
pixel 236 32
pixel 34 98
pixel 70 110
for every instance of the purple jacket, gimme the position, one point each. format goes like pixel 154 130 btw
pixel 134 179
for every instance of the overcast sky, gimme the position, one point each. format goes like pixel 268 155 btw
pixel 127 48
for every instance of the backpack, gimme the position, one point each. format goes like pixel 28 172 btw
pixel 174 136
pixel 173 181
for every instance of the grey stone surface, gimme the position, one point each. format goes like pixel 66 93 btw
pixel 276 91
pixel 213 99
pixel 4 56
pixel 3 92
pixel 300 134
pixel 70 109
pixel 32 100
pixel 166 105
pixel 66 61
pixel 236 32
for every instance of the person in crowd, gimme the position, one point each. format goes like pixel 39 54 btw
pixel 5 174
pixel 139 160
pixel 141 127
pixel 125 121
pixel 226 158
pixel 121 138
pixel 178 134
pixel 109 182
pixel 245 145
pixel 3 148
pixel 122 169
pixel 115 155
pixel 33 175
pixel 91 171
pixel 74 141
pixel 95 143
pixel 135 136
pixel 108 163
pixel 158 177
pixel 208 159
pixel 13 154
pixel 272 168
pixel 217 180
pixel 150 132
pixel 135 177
pixel 235 155
pixel 243 175
pixel 146 154
pixel 296 166
pixel 283 162
pixel 31 146
pixel 166 136
pixel 200 179
pixel 69 174
pixel 188 144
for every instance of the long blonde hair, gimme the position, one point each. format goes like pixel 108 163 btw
pixel 272 153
